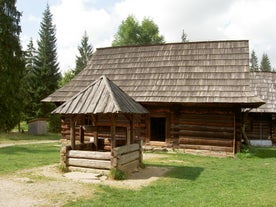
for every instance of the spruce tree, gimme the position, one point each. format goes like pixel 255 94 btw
pixel 86 51
pixel 184 37
pixel 46 71
pixel 265 64
pixel 29 87
pixel 253 62
pixel 11 65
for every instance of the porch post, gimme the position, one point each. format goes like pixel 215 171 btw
pixel 94 124
pixel 131 129
pixel 72 132
pixel 113 132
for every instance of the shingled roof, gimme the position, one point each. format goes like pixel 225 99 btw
pixel 264 86
pixel 193 72
pixel 101 96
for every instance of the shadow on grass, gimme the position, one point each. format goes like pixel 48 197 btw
pixel 265 152
pixel 181 172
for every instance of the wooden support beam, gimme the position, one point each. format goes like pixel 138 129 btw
pixel 72 132
pixel 94 123
pixel 113 131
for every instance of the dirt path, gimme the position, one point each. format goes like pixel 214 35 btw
pixel 47 186
pixel 29 142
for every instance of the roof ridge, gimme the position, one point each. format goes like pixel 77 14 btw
pixel 107 83
pixel 172 43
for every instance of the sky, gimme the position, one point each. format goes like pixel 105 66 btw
pixel 201 20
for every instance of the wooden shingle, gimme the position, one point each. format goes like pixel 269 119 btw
pixel 100 97
pixel 193 72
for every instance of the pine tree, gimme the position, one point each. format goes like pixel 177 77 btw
pixel 11 65
pixel 46 73
pixel 265 64
pixel 253 62
pixel 86 51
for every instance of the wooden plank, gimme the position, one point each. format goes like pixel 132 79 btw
pixel 98 164
pixel 126 158
pixel 129 167
pixel 89 155
pixel 125 149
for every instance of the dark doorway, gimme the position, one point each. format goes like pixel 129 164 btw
pixel 158 129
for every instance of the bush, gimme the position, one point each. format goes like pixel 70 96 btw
pixel 117 174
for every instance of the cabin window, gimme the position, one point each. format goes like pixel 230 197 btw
pixel 158 129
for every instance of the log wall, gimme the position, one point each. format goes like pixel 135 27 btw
pixel 199 128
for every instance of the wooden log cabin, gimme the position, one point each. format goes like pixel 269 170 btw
pixel 261 122
pixel 194 92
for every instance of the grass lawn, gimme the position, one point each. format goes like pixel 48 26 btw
pixel 27 156
pixel 14 137
pixel 248 180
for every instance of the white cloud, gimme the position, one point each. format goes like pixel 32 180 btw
pixel 201 20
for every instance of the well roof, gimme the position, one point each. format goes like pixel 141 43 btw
pixel 264 86
pixel 193 72
pixel 101 96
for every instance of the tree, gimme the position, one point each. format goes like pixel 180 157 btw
pixel 86 51
pixel 68 75
pixel 265 63
pixel 253 62
pixel 184 37
pixel 130 32
pixel 46 73
pixel 30 58
pixel 149 33
pixel 11 65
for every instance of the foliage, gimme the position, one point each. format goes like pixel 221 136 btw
pixel 11 65
pixel 184 37
pixel 66 78
pixel 27 156
pixel 54 123
pixel 86 51
pixel 117 174
pixel 265 63
pixel 200 181
pixel 130 32
pixel 254 66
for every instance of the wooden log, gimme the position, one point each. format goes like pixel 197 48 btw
pixel 206 147
pixel 202 128
pixel 89 155
pixel 224 135
pixel 97 164
pixel 125 149
pixel 129 157
pixel 205 141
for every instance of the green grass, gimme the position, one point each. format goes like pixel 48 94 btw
pixel 248 180
pixel 13 137
pixel 19 157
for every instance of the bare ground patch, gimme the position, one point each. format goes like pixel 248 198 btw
pixel 47 186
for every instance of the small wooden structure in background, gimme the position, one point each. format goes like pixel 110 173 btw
pixel 93 115
pixel 37 126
